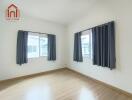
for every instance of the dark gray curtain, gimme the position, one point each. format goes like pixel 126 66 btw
pixel 77 48
pixel 103 38
pixel 51 47
pixel 22 38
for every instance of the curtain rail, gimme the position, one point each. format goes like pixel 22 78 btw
pixel 94 26
pixel 34 32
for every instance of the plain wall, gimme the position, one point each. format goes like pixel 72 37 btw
pixel 101 12
pixel 8 39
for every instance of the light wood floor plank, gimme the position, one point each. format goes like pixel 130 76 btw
pixel 59 85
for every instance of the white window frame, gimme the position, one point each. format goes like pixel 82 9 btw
pixel 90 43
pixel 39 35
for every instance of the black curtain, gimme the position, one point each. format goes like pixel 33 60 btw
pixel 22 38
pixel 103 39
pixel 51 47
pixel 77 48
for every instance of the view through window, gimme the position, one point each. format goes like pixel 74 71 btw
pixel 86 40
pixel 37 45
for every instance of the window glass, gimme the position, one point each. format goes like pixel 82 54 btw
pixel 86 40
pixel 43 46
pixel 37 45
pixel 33 46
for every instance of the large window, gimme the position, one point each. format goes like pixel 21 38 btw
pixel 37 45
pixel 86 40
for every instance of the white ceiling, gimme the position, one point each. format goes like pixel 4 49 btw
pixel 59 11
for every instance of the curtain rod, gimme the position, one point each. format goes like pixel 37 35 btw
pixel 34 32
pixel 38 32
pixel 94 26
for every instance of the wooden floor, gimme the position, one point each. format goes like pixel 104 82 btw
pixel 59 85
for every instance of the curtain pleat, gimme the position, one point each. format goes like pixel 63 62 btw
pixel 22 47
pixel 77 48
pixel 103 40
pixel 51 47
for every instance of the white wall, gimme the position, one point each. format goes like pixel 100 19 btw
pixel 104 11
pixel 8 37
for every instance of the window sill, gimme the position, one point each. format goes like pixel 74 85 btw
pixel 87 59
pixel 38 57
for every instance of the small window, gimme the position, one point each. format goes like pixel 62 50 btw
pixel 43 46
pixel 37 45
pixel 86 40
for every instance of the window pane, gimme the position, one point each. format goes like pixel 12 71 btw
pixel 33 46
pixel 86 43
pixel 43 46
pixel 37 45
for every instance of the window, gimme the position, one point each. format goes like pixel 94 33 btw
pixel 86 40
pixel 37 45
pixel 43 46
